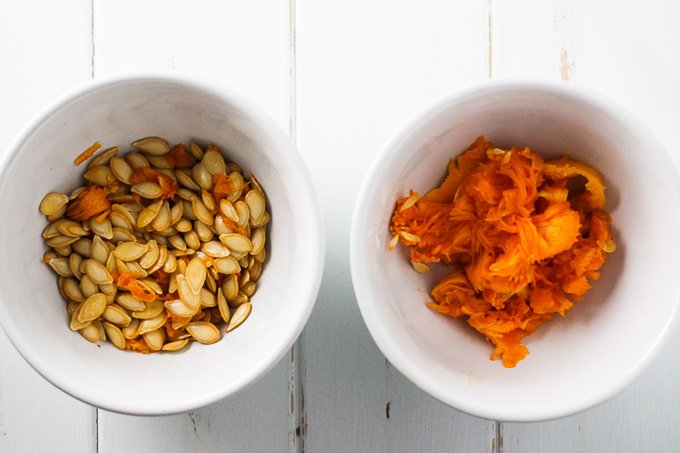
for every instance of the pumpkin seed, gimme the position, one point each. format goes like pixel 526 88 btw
pixel 53 203
pixel 186 295
pixel 186 181
pixel 60 241
pixel 202 176
pixel 175 345
pixel 243 212
pixel 237 242
pixel 83 247
pixel 203 332
pixel 227 265
pixel 130 331
pixel 151 310
pixel 201 212
pixel 92 308
pixel 100 251
pixel 151 324
pixel 230 287
pixel 420 267
pixel 179 308
pixel 103 157
pixel 130 302
pixel 153 146
pixel 116 315
pixel 222 306
pixel 160 162
pixel 214 162
pixel 196 151
pixel 100 175
pixel 228 209
pixel 221 227
pixel 248 288
pixel 97 272
pixel 409 236
pixel 87 286
pixel 255 202
pixel 215 249
pixel 148 214
pixel 122 235
pixel 176 212
pixel 110 290
pixel 207 298
pixel 239 300
pixel 155 339
pixel 61 267
pixel 195 275
pixel 147 189
pixel 115 335
pixel 240 314
pixel 102 228
pixel 183 226
pixel 90 333
pixel 177 242
pixel 130 251
pixel 151 256
pixel 170 264
pixel 210 281
pixel 71 228
pixel 71 290
pixel 257 238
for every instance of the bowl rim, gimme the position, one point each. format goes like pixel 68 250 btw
pixel 371 316
pixel 314 220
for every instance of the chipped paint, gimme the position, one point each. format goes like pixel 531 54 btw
pixel 565 65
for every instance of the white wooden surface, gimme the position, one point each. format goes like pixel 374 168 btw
pixel 340 77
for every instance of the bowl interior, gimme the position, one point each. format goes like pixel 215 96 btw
pixel 116 113
pixel 605 340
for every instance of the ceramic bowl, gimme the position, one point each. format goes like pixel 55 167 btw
pixel 116 111
pixel 608 338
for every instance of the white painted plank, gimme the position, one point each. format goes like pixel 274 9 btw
pixel 246 44
pixel 362 69
pixel 45 50
pixel 255 420
pixel 628 53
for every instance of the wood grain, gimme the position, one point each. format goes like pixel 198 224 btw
pixel 362 69
pixel 43 53
pixel 247 46
pixel 620 54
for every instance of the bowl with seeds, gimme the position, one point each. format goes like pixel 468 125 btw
pixel 168 246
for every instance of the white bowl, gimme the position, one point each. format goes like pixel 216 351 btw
pixel 608 338
pixel 116 111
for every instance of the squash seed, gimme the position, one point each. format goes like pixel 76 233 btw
pixel 183 226
pixel 151 324
pixel 87 286
pixel 201 212
pixel 155 339
pixel 90 333
pixel 53 203
pixel 60 241
pixel 203 332
pixel 148 214
pixel 192 240
pixel 71 228
pixel 243 212
pixel 71 290
pixel 100 175
pixel 102 228
pixel 170 264
pixel 92 308
pixel 221 227
pixel 239 300
pixel 100 251
pixel 130 251
pixel 230 287
pixel 257 238
pixel 129 302
pixel 215 249
pixel 117 315
pixel 214 162
pixel 186 295
pixel 147 189
pixel 115 335
pixel 248 288
pixel 175 345
pixel 74 261
pixel 420 267
pixel 240 315
pixel 207 298
pixel 83 247
pixel 195 275
pixel 151 256
pixel 222 306
pixel 237 242
pixel 97 272
pixel 162 220
pixel 203 231
pixel 179 308
pixel 61 266
pixel 186 181
pixel 196 151
pixel 153 146
pixel 255 202
pixel 103 158
pixel 227 265
pixel 151 310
